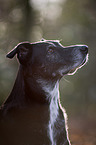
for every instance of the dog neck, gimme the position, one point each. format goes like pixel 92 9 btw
pixel 56 111
pixel 51 89
pixel 21 94
pixel 16 97
pixel 52 93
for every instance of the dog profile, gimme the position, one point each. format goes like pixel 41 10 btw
pixel 33 114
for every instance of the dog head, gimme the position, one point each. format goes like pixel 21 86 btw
pixel 49 59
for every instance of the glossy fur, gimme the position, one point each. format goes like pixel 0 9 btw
pixel 33 114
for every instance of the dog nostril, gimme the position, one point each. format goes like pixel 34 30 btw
pixel 84 49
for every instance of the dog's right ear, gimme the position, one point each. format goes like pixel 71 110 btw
pixel 22 51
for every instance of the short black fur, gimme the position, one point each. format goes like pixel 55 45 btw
pixel 32 114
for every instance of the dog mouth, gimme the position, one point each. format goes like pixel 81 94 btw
pixel 73 70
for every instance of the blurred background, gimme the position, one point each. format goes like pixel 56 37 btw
pixel 72 22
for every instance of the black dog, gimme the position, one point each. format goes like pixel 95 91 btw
pixel 32 114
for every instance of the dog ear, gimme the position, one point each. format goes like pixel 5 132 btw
pixel 22 50
pixel 12 53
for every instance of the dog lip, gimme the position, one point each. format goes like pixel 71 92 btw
pixel 73 70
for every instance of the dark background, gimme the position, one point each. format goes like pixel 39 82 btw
pixel 72 22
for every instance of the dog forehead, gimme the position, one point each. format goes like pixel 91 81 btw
pixel 54 43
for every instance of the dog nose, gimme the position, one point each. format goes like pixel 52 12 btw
pixel 84 49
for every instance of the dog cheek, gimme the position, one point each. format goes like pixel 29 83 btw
pixel 54 74
pixel 52 58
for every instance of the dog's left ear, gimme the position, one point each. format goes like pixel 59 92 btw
pixel 12 53
pixel 22 50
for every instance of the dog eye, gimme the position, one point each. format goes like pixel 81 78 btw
pixel 50 50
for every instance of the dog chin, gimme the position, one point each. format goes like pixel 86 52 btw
pixel 73 71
